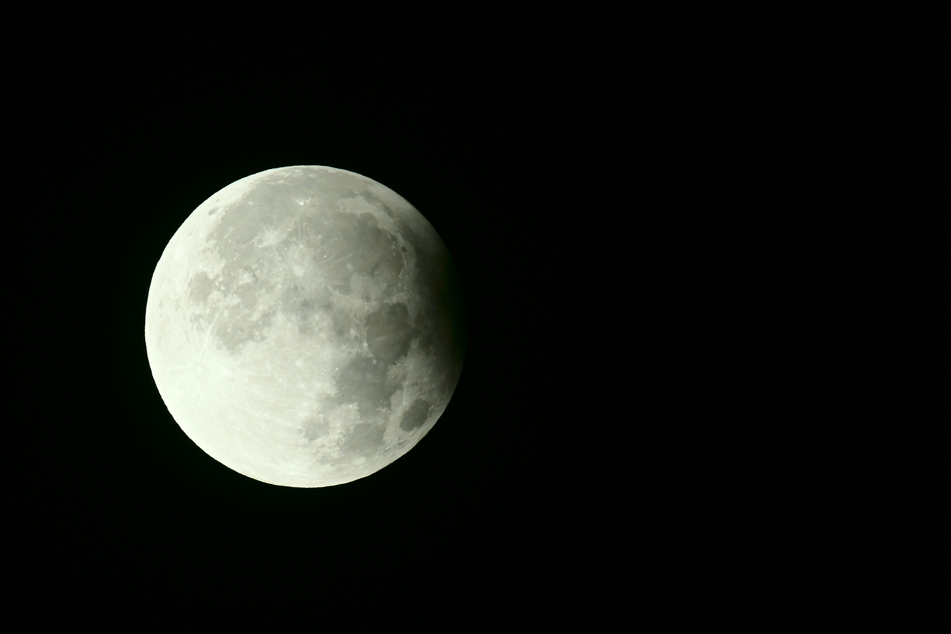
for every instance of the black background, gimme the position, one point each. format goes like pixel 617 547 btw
pixel 682 243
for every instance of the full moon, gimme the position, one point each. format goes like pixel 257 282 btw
pixel 305 326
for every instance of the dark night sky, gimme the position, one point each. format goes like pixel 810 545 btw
pixel 663 229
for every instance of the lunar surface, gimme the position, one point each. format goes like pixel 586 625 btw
pixel 304 326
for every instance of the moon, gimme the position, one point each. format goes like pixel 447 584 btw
pixel 305 326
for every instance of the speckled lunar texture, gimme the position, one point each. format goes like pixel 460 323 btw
pixel 304 326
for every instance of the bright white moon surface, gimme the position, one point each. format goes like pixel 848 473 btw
pixel 304 326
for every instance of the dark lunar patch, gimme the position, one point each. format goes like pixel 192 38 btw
pixel 416 414
pixel 363 439
pixel 364 382
pixel 354 244
pixel 322 295
pixel 389 331
pixel 370 197
pixel 341 323
pixel 297 304
pixel 369 219
pixel 199 287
